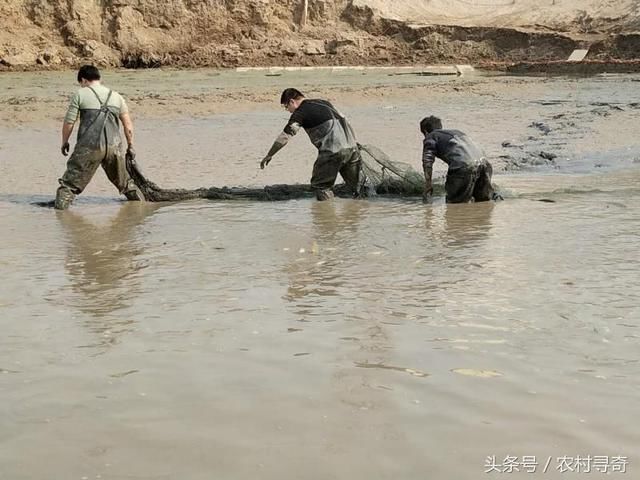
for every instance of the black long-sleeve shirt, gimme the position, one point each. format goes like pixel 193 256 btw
pixel 328 130
pixel 453 147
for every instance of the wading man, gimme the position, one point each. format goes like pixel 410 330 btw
pixel 469 173
pixel 100 111
pixel 331 134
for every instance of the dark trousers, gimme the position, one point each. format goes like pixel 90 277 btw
pixel 84 162
pixel 466 184
pixel 327 166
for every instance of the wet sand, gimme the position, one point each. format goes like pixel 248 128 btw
pixel 352 339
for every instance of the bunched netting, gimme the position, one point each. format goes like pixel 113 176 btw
pixel 384 177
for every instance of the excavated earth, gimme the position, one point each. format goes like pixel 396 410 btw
pixel 57 34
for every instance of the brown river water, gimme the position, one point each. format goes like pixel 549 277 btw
pixel 380 339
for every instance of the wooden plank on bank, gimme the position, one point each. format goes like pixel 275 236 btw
pixel 577 55
pixel 393 70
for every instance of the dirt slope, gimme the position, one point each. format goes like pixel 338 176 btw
pixel 148 33
pixel 577 16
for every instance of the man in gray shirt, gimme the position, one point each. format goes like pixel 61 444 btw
pixel 100 111
pixel 469 173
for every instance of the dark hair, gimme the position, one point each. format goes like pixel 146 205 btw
pixel 89 73
pixel 429 124
pixel 290 94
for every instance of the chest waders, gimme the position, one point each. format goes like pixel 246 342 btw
pixel 98 143
pixel 473 183
pixel 338 152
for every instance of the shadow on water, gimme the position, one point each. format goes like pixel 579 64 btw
pixel 103 268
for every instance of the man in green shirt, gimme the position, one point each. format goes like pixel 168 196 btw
pixel 100 111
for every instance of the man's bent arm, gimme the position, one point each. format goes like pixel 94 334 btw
pixel 428 185
pixel 279 144
pixel 70 118
pixel 127 124
pixel 428 157
pixel 289 131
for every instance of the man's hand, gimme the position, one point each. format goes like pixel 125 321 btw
pixel 131 154
pixel 64 149
pixel 265 161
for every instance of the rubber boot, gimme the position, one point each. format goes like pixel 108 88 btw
pixel 323 195
pixel 64 198
pixel 366 190
pixel 133 193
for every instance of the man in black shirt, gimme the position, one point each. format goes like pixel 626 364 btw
pixel 330 133
pixel 469 173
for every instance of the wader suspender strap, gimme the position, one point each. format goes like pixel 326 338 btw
pixel 103 106
pixel 103 109
pixel 341 119
pixel 334 114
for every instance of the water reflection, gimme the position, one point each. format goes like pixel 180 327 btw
pixel 102 266
pixel 333 220
pixel 459 225
pixel 333 225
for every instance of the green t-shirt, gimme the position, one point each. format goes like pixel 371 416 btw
pixel 86 99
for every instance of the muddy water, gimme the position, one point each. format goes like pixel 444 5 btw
pixel 352 339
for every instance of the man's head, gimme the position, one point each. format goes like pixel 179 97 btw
pixel 88 74
pixel 291 99
pixel 429 124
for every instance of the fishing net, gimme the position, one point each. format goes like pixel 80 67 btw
pixel 383 176
pixel 389 177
